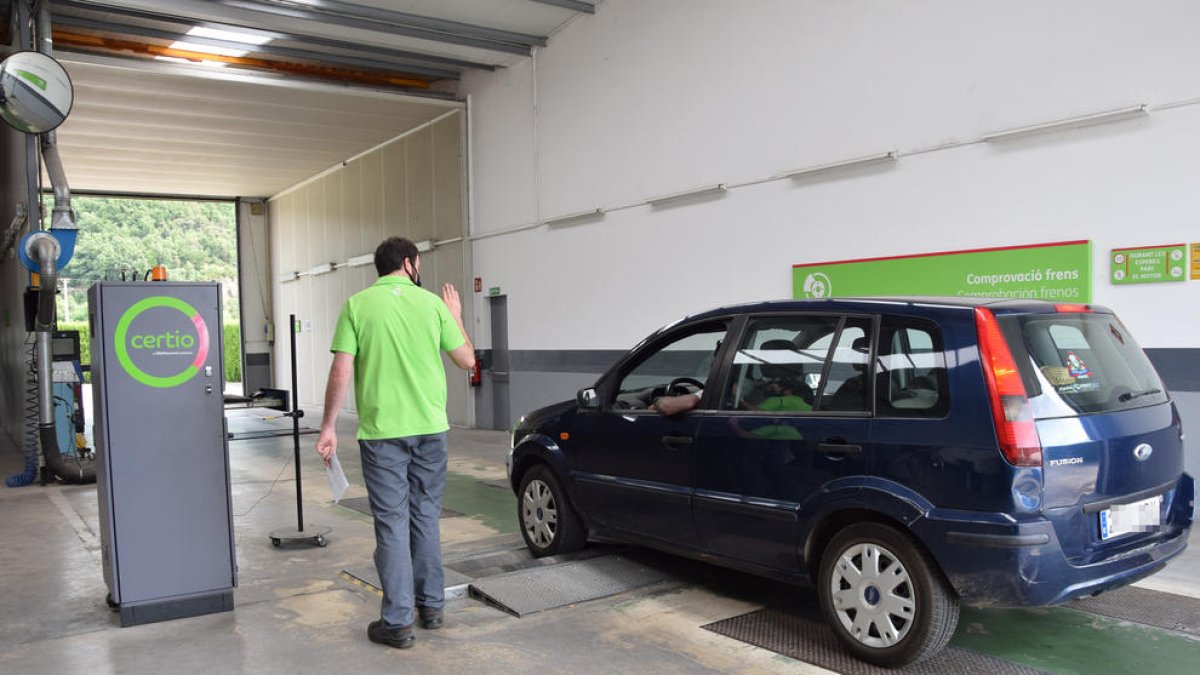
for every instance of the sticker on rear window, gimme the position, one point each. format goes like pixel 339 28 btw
pixel 1076 367
pixel 1058 376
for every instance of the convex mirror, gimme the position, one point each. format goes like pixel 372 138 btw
pixel 35 92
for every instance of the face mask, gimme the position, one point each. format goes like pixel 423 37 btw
pixel 415 276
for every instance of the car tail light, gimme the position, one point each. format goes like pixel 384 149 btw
pixel 1072 308
pixel 1015 429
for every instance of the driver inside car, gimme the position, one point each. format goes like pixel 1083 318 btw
pixel 673 405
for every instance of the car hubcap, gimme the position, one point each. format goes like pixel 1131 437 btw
pixel 873 595
pixel 539 516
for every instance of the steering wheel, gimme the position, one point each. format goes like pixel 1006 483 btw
pixel 674 390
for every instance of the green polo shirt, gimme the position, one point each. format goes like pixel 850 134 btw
pixel 396 333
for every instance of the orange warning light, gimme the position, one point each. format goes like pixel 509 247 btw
pixel 564 436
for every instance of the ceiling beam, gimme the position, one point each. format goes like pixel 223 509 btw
pixel 418 58
pixel 68 40
pixel 255 77
pixel 574 5
pixel 266 49
pixel 396 23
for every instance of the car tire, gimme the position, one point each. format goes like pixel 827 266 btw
pixel 548 522
pixel 884 597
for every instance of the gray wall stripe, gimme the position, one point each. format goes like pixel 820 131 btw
pixel 1179 367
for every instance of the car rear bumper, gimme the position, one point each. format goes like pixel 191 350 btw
pixel 1023 564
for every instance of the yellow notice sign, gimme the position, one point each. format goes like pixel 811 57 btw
pixel 1196 261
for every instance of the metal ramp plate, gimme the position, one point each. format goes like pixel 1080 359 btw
pixel 800 634
pixel 539 589
pixel 1142 605
pixel 366 577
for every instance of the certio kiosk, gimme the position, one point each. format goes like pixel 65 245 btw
pixel 166 525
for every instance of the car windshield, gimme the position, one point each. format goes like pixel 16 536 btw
pixel 1081 363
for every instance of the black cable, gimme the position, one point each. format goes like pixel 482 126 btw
pixel 269 490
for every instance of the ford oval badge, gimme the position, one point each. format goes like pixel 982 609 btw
pixel 1142 452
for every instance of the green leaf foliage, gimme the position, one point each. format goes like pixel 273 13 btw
pixel 124 238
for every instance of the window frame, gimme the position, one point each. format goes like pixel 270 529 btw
pixel 654 344
pixel 904 322
pixel 734 344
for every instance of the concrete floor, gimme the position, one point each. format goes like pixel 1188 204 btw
pixel 295 612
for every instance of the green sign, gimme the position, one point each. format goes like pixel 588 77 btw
pixel 1059 271
pixel 36 81
pixel 1149 264
pixel 494 290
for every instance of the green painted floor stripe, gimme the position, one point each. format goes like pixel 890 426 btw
pixel 1076 643
pixel 495 508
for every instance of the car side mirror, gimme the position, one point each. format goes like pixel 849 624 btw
pixel 588 399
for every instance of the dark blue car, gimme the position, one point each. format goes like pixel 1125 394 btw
pixel 903 454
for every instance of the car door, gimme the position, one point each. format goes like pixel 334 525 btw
pixel 634 468
pixel 794 417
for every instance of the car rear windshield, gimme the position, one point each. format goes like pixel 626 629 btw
pixel 1080 363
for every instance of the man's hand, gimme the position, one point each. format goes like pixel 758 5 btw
pixel 335 392
pixel 450 297
pixel 327 445
pixel 673 405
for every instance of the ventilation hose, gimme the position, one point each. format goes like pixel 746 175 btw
pixel 46 250
pixel 31 424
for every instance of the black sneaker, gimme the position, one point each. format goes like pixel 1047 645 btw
pixel 431 617
pixel 400 638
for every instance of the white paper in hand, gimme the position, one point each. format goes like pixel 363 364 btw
pixel 337 478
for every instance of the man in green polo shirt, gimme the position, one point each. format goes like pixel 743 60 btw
pixel 390 337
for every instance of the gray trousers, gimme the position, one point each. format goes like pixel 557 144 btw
pixel 405 479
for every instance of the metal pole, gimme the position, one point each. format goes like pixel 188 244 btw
pixel 296 426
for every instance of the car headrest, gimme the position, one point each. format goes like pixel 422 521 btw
pixel 861 344
pixel 778 344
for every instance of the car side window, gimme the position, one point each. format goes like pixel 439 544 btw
pixel 848 384
pixel 680 365
pixel 778 362
pixel 911 369
pixel 801 364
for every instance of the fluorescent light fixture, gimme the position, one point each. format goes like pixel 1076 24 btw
pixel 360 260
pixel 290 278
pixel 425 245
pixel 687 194
pixel 229 35
pixel 572 217
pixel 857 162
pixel 320 269
pixel 1072 123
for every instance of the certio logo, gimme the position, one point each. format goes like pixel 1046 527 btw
pixel 166 343
pixel 817 285
pixel 1142 452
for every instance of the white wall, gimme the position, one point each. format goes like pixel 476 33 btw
pixel 411 187
pixel 647 98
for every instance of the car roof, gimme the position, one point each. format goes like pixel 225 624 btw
pixel 877 303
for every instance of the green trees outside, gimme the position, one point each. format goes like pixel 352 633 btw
pixel 124 238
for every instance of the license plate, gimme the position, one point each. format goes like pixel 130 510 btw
pixel 1120 519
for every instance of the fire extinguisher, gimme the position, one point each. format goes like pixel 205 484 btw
pixel 477 372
